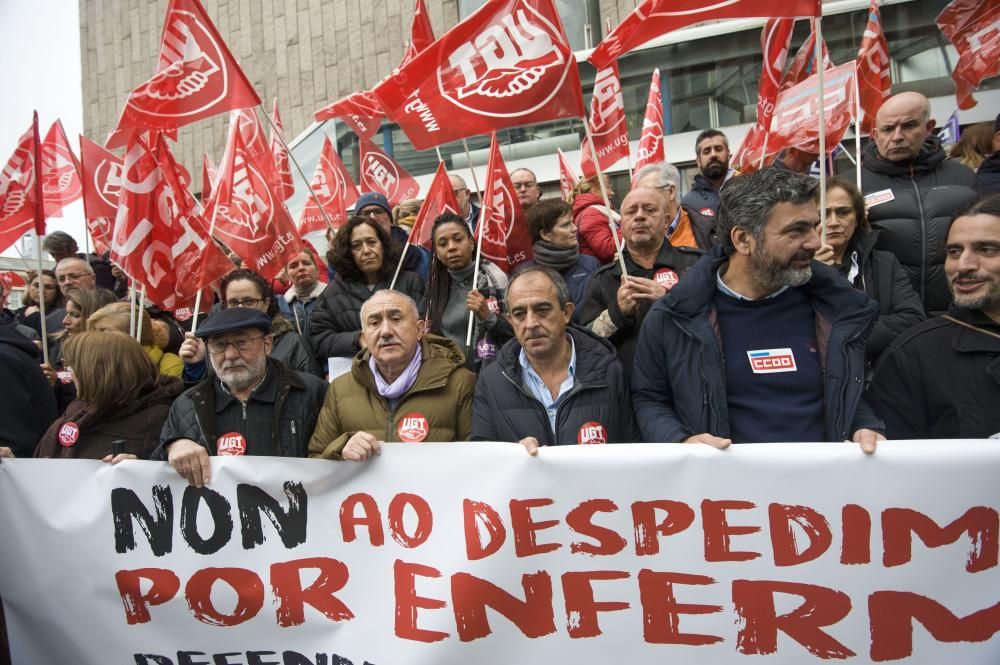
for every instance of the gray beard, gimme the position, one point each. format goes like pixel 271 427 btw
pixel 771 277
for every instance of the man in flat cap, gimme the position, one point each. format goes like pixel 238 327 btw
pixel 249 404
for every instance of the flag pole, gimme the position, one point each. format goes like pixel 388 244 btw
pixel 39 223
pixel 857 131
pixel 822 129
pixel 399 266
pixel 607 202
pixel 138 314
pixel 479 240
pixel 291 156
pixel 131 307
pixel 41 299
pixel 197 297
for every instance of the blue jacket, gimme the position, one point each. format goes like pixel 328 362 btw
pixel 678 378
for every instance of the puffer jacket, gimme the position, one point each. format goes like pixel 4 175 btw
pixel 137 425
pixel 29 404
pixel 505 411
pixel 702 205
pixel 336 320
pixel 438 407
pixel 988 175
pixel 591 219
pixel 679 388
pixel 926 194
pixel 291 349
pixel 296 408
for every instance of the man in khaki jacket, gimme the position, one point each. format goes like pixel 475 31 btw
pixel 403 386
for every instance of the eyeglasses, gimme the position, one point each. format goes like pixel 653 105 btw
pixel 374 211
pixel 72 277
pixel 217 346
pixel 245 302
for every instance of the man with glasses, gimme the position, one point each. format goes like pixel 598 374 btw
pixel 249 404
pixel 526 186
pixel 467 209
pixel 75 273
pixel 376 206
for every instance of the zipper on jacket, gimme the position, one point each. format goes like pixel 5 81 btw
pixel 923 241
pixel 713 416
pixel 839 430
pixel 545 413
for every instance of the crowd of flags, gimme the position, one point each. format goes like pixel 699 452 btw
pixel 507 64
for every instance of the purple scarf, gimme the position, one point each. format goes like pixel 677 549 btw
pixel 404 382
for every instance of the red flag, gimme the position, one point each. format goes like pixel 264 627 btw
pixel 973 26
pixel 360 110
pixel 774 41
pixel 253 140
pixel 421 32
pixel 653 18
pixel 335 190
pixel 506 241
pixel 39 190
pixel 651 148
pixel 874 80
pixel 209 174
pixel 567 178
pixel 159 239
pixel 804 63
pixel 607 118
pixel 279 153
pixel 102 183
pixel 196 77
pixel 60 171
pixel 587 159
pixel 507 64
pixel 17 191
pixel 795 122
pixel 440 199
pixel 379 173
pixel 249 216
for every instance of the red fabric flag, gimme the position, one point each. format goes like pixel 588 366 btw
pixel 774 41
pixel 507 64
pixel 257 147
pixel 804 63
pixel 874 80
pixel 506 240
pixel 335 190
pixel 607 118
pixel 653 18
pixel 102 183
pixel 651 140
pixel 379 173
pixel 440 199
pixel 587 167
pixel 209 174
pixel 17 191
pixel 421 32
pixel 973 26
pixel 279 153
pixel 567 178
pixel 360 110
pixel 795 123
pixel 249 216
pixel 159 238
pixel 196 77
pixel 60 171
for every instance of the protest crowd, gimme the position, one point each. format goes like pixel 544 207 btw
pixel 765 305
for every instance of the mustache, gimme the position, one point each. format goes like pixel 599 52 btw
pixel 385 341
pixel 970 275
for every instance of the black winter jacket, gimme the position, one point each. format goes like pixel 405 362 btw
pixel 335 323
pixel 941 380
pixel 884 280
pixel 29 405
pixel 928 192
pixel 299 399
pixel 505 411
pixel 702 205
pixel 988 175
pixel 602 294
pixel 679 387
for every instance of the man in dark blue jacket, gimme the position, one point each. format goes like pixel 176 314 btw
pixel 758 342
pixel 555 384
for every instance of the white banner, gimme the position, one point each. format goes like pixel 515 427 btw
pixel 478 553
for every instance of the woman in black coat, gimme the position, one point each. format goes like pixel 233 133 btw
pixel 364 258
pixel 850 247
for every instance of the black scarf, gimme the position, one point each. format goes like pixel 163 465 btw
pixel 557 258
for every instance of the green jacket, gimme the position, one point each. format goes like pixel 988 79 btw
pixel 437 408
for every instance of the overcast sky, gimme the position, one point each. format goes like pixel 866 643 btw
pixel 40 52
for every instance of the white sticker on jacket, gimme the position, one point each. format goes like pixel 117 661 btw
pixel 771 361
pixel 882 196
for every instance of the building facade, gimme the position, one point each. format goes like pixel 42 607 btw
pixel 308 53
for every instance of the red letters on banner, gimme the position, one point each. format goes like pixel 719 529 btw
pixel 508 64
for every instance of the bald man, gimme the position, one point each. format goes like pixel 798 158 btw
pixel 912 193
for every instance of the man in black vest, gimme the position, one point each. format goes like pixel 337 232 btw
pixel 758 342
